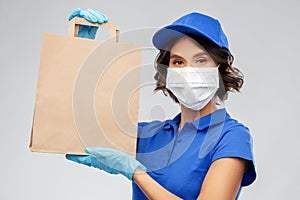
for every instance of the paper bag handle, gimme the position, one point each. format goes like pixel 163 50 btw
pixel 73 27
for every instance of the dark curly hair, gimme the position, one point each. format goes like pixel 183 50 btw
pixel 231 78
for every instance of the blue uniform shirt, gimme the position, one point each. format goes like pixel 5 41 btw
pixel 179 162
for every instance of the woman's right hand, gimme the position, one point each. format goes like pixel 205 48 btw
pixel 109 160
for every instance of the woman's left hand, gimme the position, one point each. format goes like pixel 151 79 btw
pixel 109 160
pixel 92 16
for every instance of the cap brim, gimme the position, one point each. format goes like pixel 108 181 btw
pixel 166 34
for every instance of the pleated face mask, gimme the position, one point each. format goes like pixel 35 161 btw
pixel 194 87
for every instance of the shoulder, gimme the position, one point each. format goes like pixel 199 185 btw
pixel 150 128
pixel 151 124
pixel 224 135
pixel 143 124
pixel 233 129
pixel 234 140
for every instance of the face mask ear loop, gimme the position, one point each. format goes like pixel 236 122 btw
pixel 218 68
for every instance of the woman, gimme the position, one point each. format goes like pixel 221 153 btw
pixel 202 153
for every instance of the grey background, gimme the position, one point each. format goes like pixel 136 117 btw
pixel 264 37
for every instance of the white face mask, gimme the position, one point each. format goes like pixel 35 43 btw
pixel 194 87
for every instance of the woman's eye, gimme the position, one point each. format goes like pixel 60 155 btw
pixel 201 61
pixel 177 62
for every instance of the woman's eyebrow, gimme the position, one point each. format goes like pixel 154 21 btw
pixel 194 56
pixel 175 56
pixel 200 54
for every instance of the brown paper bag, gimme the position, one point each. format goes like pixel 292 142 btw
pixel 87 93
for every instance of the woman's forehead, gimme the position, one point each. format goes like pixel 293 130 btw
pixel 186 47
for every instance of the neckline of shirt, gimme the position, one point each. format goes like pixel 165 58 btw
pixel 214 118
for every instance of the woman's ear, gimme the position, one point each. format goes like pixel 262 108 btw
pixel 230 60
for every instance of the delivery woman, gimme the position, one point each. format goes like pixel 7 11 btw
pixel 202 153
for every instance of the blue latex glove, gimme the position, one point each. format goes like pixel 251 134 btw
pixel 109 160
pixel 92 16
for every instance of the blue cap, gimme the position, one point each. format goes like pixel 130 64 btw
pixel 193 23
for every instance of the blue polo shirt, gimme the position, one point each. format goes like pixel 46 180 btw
pixel 179 162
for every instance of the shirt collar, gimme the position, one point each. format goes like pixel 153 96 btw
pixel 219 116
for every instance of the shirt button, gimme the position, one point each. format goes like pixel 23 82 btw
pixel 167 126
